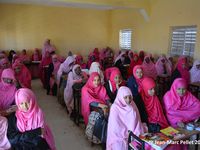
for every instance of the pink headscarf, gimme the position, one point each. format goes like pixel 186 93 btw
pixel 108 71
pixel 112 79
pixel 134 63
pixel 194 72
pixel 152 104
pixel 92 94
pixel 96 67
pixel 120 56
pixel 160 66
pixel 180 109
pixel 149 68
pixel 7 91
pixel 34 117
pixel 183 71
pixel 71 80
pixel 24 76
pixel 65 67
pixel 36 55
pixel 24 57
pixel 122 117
pixel 4 142
pixel 2 63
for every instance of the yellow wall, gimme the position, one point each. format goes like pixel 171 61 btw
pixel 153 36
pixel 27 26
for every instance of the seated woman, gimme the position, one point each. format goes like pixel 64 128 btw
pixel 4 63
pixel 149 67
pixel 135 85
pixel 181 70
pixel 152 103
pixel 119 63
pixel 7 89
pixel 93 93
pixel 65 67
pixel 180 105
pixel 91 59
pixel 75 76
pixel 79 61
pixel 163 66
pixel 36 56
pixel 52 75
pixel 195 72
pixel 113 84
pixel 96 67
pixel 123 116
pixel 4 143
pixel 22 74
pixel 134 62
pixel 27 129
pixel 24 57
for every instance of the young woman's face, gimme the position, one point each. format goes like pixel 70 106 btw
pixel 118 79
pixel 78 70
pixel 24 106
pixel 198 66
pixel 128 99
pixel 151 91
pixel 96 81
pixel 8 80
pixel 139 73
pixel 135 58
pixel 181 91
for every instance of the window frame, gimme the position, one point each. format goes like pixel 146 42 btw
pixel 122 45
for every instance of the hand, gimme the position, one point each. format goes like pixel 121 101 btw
pixel 42 132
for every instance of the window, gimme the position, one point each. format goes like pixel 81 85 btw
pixel 125 39
pixel 183 40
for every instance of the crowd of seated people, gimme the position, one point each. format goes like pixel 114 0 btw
pixel 125 92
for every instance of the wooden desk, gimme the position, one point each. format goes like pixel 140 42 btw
pixel 194 88
pixel 34 68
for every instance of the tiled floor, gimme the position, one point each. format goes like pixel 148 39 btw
pixel 67 135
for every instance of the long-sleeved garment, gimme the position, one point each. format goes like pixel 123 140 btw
pixel 28 140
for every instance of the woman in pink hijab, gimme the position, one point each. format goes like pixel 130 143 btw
pixel 4 143
pixel 36 56
pixel 27 128
pixel 181 70
pixel 7 89
pixel 75 76
pixel 4 63
pixel 163 67
pixel 195 72
pixel 134 62
pixel 149 67
pixel 93 91
pixel 24 57
pixel 180 105
pixel 123 116
pixel 22 74
pixel 48 47
pixel 65 67
pixel 152 103
pixel 43 68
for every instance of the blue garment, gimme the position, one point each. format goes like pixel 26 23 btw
pixel 132 84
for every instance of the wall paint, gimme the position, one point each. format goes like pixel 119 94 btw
pixel 27 26
pixel 153 36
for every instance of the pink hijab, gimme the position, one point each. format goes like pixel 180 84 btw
pixel 2 63
pixel 48 47
pixel 36 55
pixel 65 67
pixel 79 60
pixel 160 66
pixel 34 117
pixel 7 91
pixel 183 71
pixel 92 94
pixel 134 63
pixel 149 68
pixel 194 72
pixel 71 80
pixel 24 76
pixel 152 104
pixel 108 71
pixel 4 142
pixel 122 117
pixel 113 74
pixel 24 57
pixel 180 109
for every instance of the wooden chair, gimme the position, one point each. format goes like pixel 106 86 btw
pixel 77 103
pixel 134 142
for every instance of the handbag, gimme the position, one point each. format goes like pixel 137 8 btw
pixel 154 127
pixel 100 128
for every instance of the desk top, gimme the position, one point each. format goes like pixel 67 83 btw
pixel 195 84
